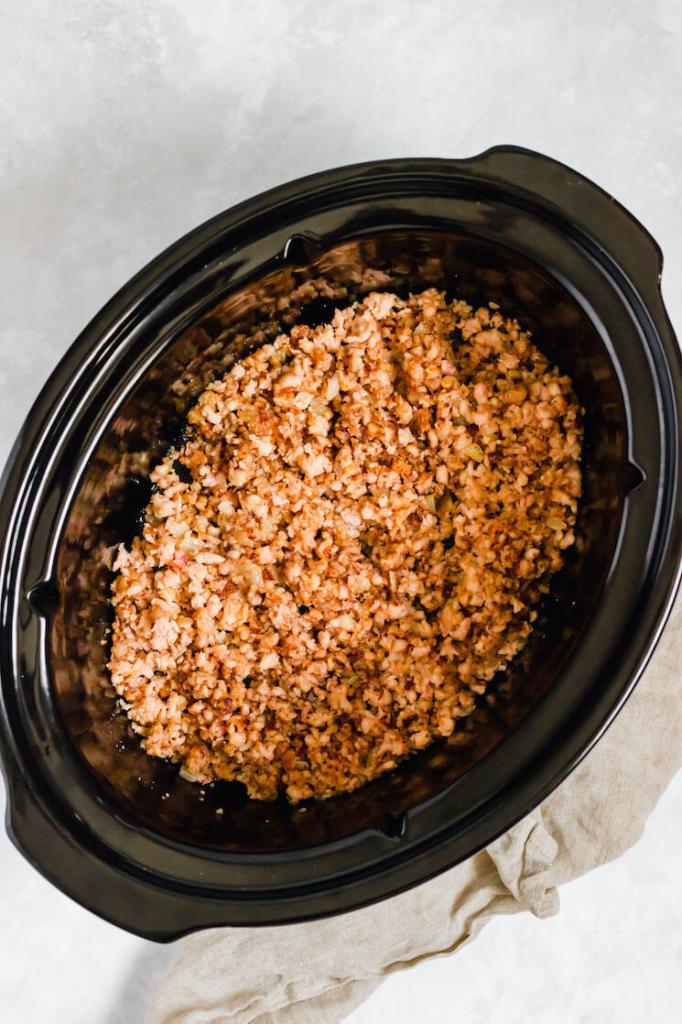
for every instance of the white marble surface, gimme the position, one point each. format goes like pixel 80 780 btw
pixel 125 123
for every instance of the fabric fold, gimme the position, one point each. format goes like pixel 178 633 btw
pixel 524 857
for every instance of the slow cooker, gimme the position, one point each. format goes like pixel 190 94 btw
pixel 122 833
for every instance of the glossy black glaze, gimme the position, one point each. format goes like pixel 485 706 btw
pixel 124 834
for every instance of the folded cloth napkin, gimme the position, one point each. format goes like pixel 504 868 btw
pixel 316 973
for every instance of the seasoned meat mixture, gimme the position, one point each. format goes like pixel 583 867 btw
pixel 348 548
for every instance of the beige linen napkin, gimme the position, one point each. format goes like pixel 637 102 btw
pixel 316 973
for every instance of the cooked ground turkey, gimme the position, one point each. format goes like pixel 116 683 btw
pixel 348 548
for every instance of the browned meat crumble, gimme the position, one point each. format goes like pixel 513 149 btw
pixel 348 548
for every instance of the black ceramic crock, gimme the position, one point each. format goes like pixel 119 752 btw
pixel 122 833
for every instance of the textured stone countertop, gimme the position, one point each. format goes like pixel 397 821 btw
pixel 127 123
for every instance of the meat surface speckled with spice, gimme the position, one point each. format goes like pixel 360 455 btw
pixel 349 546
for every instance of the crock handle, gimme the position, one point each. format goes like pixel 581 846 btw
pixel 588 209
pixel 77 871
